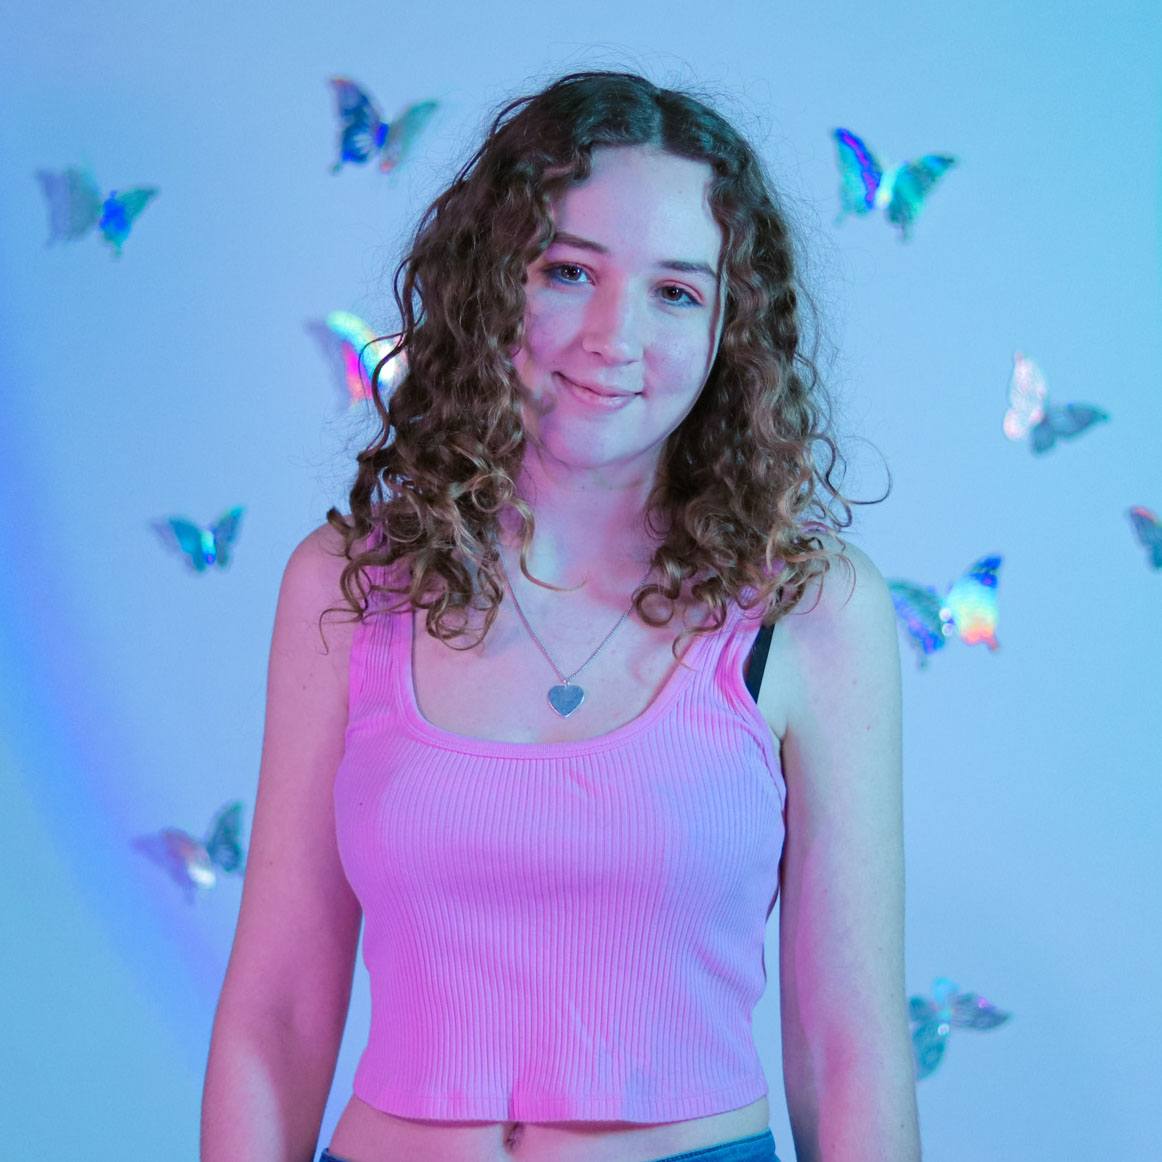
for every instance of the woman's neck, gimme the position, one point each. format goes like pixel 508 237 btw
pixel 584 525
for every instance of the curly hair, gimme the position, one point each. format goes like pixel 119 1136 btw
pixel 738 481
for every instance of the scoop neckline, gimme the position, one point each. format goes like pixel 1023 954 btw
pixel 675 683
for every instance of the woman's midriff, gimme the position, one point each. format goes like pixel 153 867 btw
pixel 365 1134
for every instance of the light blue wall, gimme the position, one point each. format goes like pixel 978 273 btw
pixel 182 380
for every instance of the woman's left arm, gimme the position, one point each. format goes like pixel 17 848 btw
pixel 847 1062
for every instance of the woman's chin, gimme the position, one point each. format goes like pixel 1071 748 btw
pixel 608 467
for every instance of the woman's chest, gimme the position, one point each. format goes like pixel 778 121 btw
pixel 568 685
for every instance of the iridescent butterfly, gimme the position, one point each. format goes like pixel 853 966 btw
pixel 968 610
pixel 75 206
pixel 1030 414
pixel 200 548
pixel 933 1020
pixel 189 862
pixel 900 191
pixel 355 351
pixel 1149 530
pixel 364 132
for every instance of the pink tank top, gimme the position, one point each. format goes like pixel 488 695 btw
pixel 568 931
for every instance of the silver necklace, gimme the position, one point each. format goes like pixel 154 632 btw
pixel 566 697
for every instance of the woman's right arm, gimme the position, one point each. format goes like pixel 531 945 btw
pixel 284 1000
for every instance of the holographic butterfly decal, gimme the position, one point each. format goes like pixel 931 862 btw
pixel 1149 532
pixel 968 610
pixel 899 191
pixel 190 862
pixel 201 547
pixel 75 206
pixel 364 133
pixel 932 1021
pixel 355 351
pixel 1031 414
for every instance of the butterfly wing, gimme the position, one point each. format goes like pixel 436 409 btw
pixel 224 534
pixel 118 213
pixel 971 604
pixel 1027 390
pixel 859 174
pixel 918 608
pixel 181 856
pixel 188 540
pixel 343 361
pixel 929 1040
pixel 921 1009
pixel 401 137
pixel 942 990
pixel 1042 437
pixel 1065 420
pixel 971 1011
pixel 74 202
pixel 1148 529
pixel 358 340
pixel 363 131
pixel 368 348
pixel 911 186
pixel 357 390
pixel 224 846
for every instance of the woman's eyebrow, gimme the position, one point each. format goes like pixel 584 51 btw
pixel 678 264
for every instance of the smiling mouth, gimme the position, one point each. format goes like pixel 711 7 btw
pixel 608 393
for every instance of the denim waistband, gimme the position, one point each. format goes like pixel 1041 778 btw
pixel 755 1148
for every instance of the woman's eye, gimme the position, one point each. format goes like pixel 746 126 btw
pixel 678 295
pixel 566 272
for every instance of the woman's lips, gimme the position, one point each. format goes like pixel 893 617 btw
pixel 605 397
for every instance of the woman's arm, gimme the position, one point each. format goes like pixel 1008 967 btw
pixel 284 1002
pixel 847 1060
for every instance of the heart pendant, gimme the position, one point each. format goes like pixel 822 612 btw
pixel 565 699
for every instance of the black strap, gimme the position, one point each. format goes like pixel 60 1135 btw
pixel 757 660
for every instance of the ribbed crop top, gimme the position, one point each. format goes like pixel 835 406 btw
pixel 563 931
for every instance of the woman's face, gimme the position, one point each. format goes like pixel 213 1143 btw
pixel 623 314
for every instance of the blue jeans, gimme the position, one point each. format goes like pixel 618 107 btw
pixel 756 1148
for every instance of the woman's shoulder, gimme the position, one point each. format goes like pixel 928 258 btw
pixel 311 588
pixel 850 561
pixel 837 647
pixel 317 560
pixel 845 611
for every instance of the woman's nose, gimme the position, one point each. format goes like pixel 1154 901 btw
pixel 613 326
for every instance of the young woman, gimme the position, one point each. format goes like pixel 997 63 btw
pixel 529 762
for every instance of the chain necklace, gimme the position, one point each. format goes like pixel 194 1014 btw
pixel 566 697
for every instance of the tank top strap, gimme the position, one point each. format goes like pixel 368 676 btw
pixel 376 642
pixel 725 661
pixel 710 654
